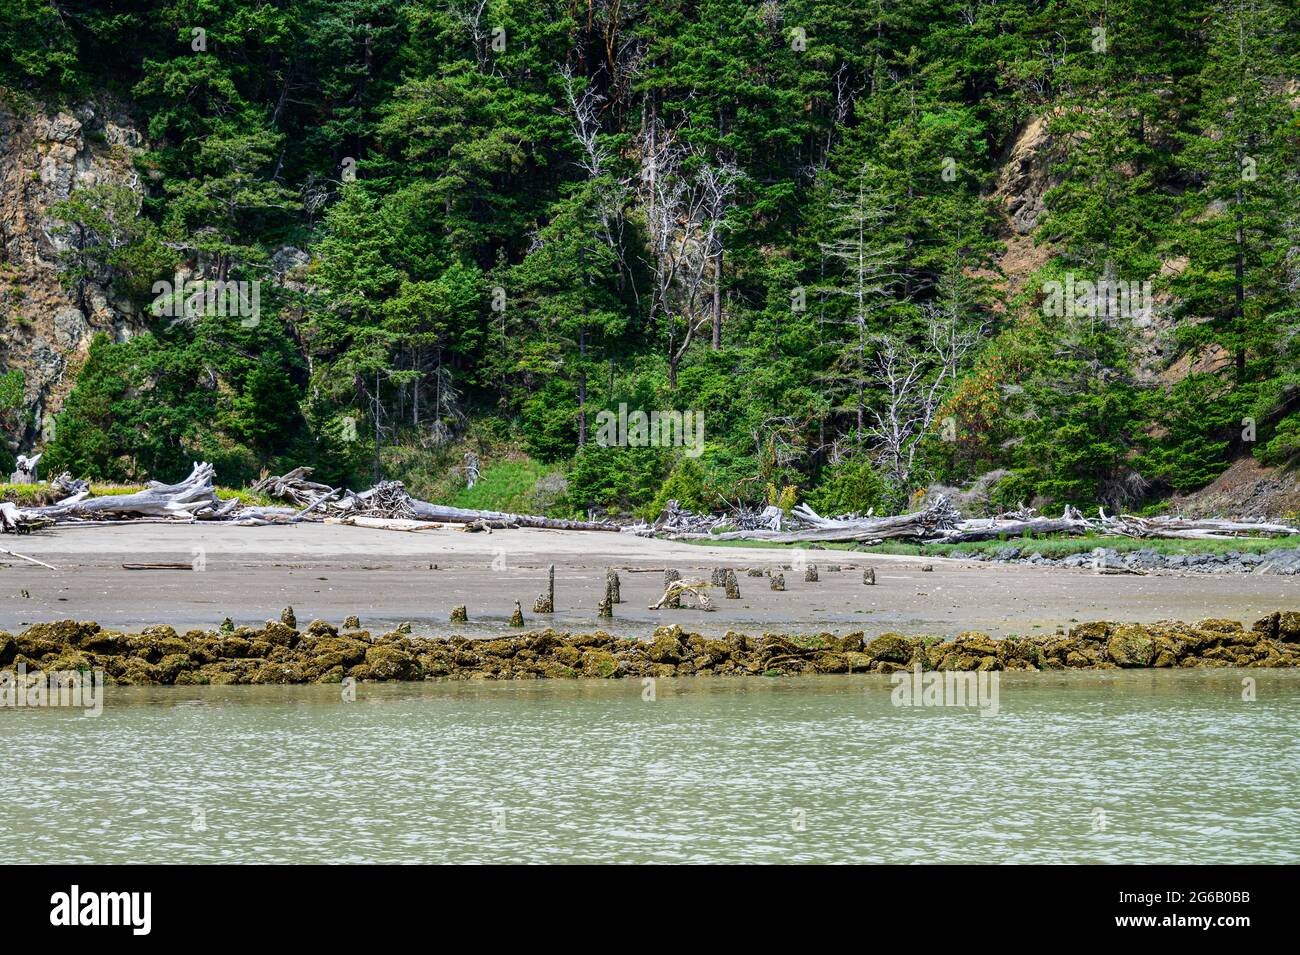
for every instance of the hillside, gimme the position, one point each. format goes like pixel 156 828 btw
pixel 844 253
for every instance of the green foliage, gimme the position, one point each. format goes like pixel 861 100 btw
pixel 1284 445
pixel 505 486
pixel 1198 420
pixel 136 414
pixel 37 50
pixel 1010 492
pixel 686 485
pixel 677 207
pixel 614 478
pixel 852 484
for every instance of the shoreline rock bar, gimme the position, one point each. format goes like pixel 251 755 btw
pixel 276 653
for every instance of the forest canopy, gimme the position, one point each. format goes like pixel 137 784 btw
pixel 877 245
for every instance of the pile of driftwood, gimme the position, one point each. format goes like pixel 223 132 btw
pixel 804 525
pixel 388 504
pixel 676 520
pixel 195 499
pixel 940 523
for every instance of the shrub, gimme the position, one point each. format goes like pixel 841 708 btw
pixel 852 484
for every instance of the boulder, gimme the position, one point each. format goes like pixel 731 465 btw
pixel 891 647
pixel 1130 646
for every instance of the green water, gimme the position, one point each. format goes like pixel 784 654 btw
pixel 1150 766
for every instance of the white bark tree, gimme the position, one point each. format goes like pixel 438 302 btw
pixel 688 201
pixel 870 262
pixel 914 382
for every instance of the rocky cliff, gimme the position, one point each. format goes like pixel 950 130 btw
pixel 46 154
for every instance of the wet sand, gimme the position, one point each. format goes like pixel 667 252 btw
pixel 386 577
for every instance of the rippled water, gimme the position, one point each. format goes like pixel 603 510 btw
pixel 1151 766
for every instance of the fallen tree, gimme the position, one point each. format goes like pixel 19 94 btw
pixel 389 499
pixel 940 523
pixel 189 499
pixel 1070 522
pixel 388 504
pixel 939 516
pixel 1191 529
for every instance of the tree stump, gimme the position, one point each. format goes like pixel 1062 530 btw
pixel 459 614
pixel 810 574
pixel 288 618
pixel 719 577
pixel 545 602
pixel 672 598
pixel 754 572
pixel 778 582
pixel 731 586
pixel 869 575
pixel 613 586
pixel 26 470
pixel 517 618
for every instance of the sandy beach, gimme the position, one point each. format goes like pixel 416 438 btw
pixel 387 577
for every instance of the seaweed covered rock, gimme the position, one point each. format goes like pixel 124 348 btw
pixel 279 635
pixel 890 647
pixel 667 645
pixel 599 663
pixel 1130 645
pixel 391 663
pixel 60 633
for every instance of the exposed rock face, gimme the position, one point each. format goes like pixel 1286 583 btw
pixel 1025 177
pixel 44 158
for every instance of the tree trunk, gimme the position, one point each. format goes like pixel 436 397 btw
pixel 582 388
pixel 717 298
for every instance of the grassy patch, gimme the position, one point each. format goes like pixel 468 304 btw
pixel 40 495
pixel 27 495
pixel 1054 547
pixel 504 486
pixel 250 498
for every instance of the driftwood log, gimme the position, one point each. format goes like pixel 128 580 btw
pixel 189 499
pixel 389 499
pixel 294 488
pixel 940 515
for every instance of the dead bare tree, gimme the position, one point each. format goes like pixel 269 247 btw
pixel 690 195
pixel 914 383
pixel 870 261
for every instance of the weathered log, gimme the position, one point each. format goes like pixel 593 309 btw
pixel 389 499
pixel 188 499
pixel 675 589
pixel 937 517
pixel 26 470
pixel 294 487
pixel 1036 527
pixel 545 602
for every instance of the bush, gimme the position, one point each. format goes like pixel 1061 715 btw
pixel 1009 493
pixel 852 484
pixel 686 486
pixel 619 479
pixel 1284 445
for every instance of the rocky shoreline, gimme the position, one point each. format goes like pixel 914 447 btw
pixel 278 653
pixel 1283 562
